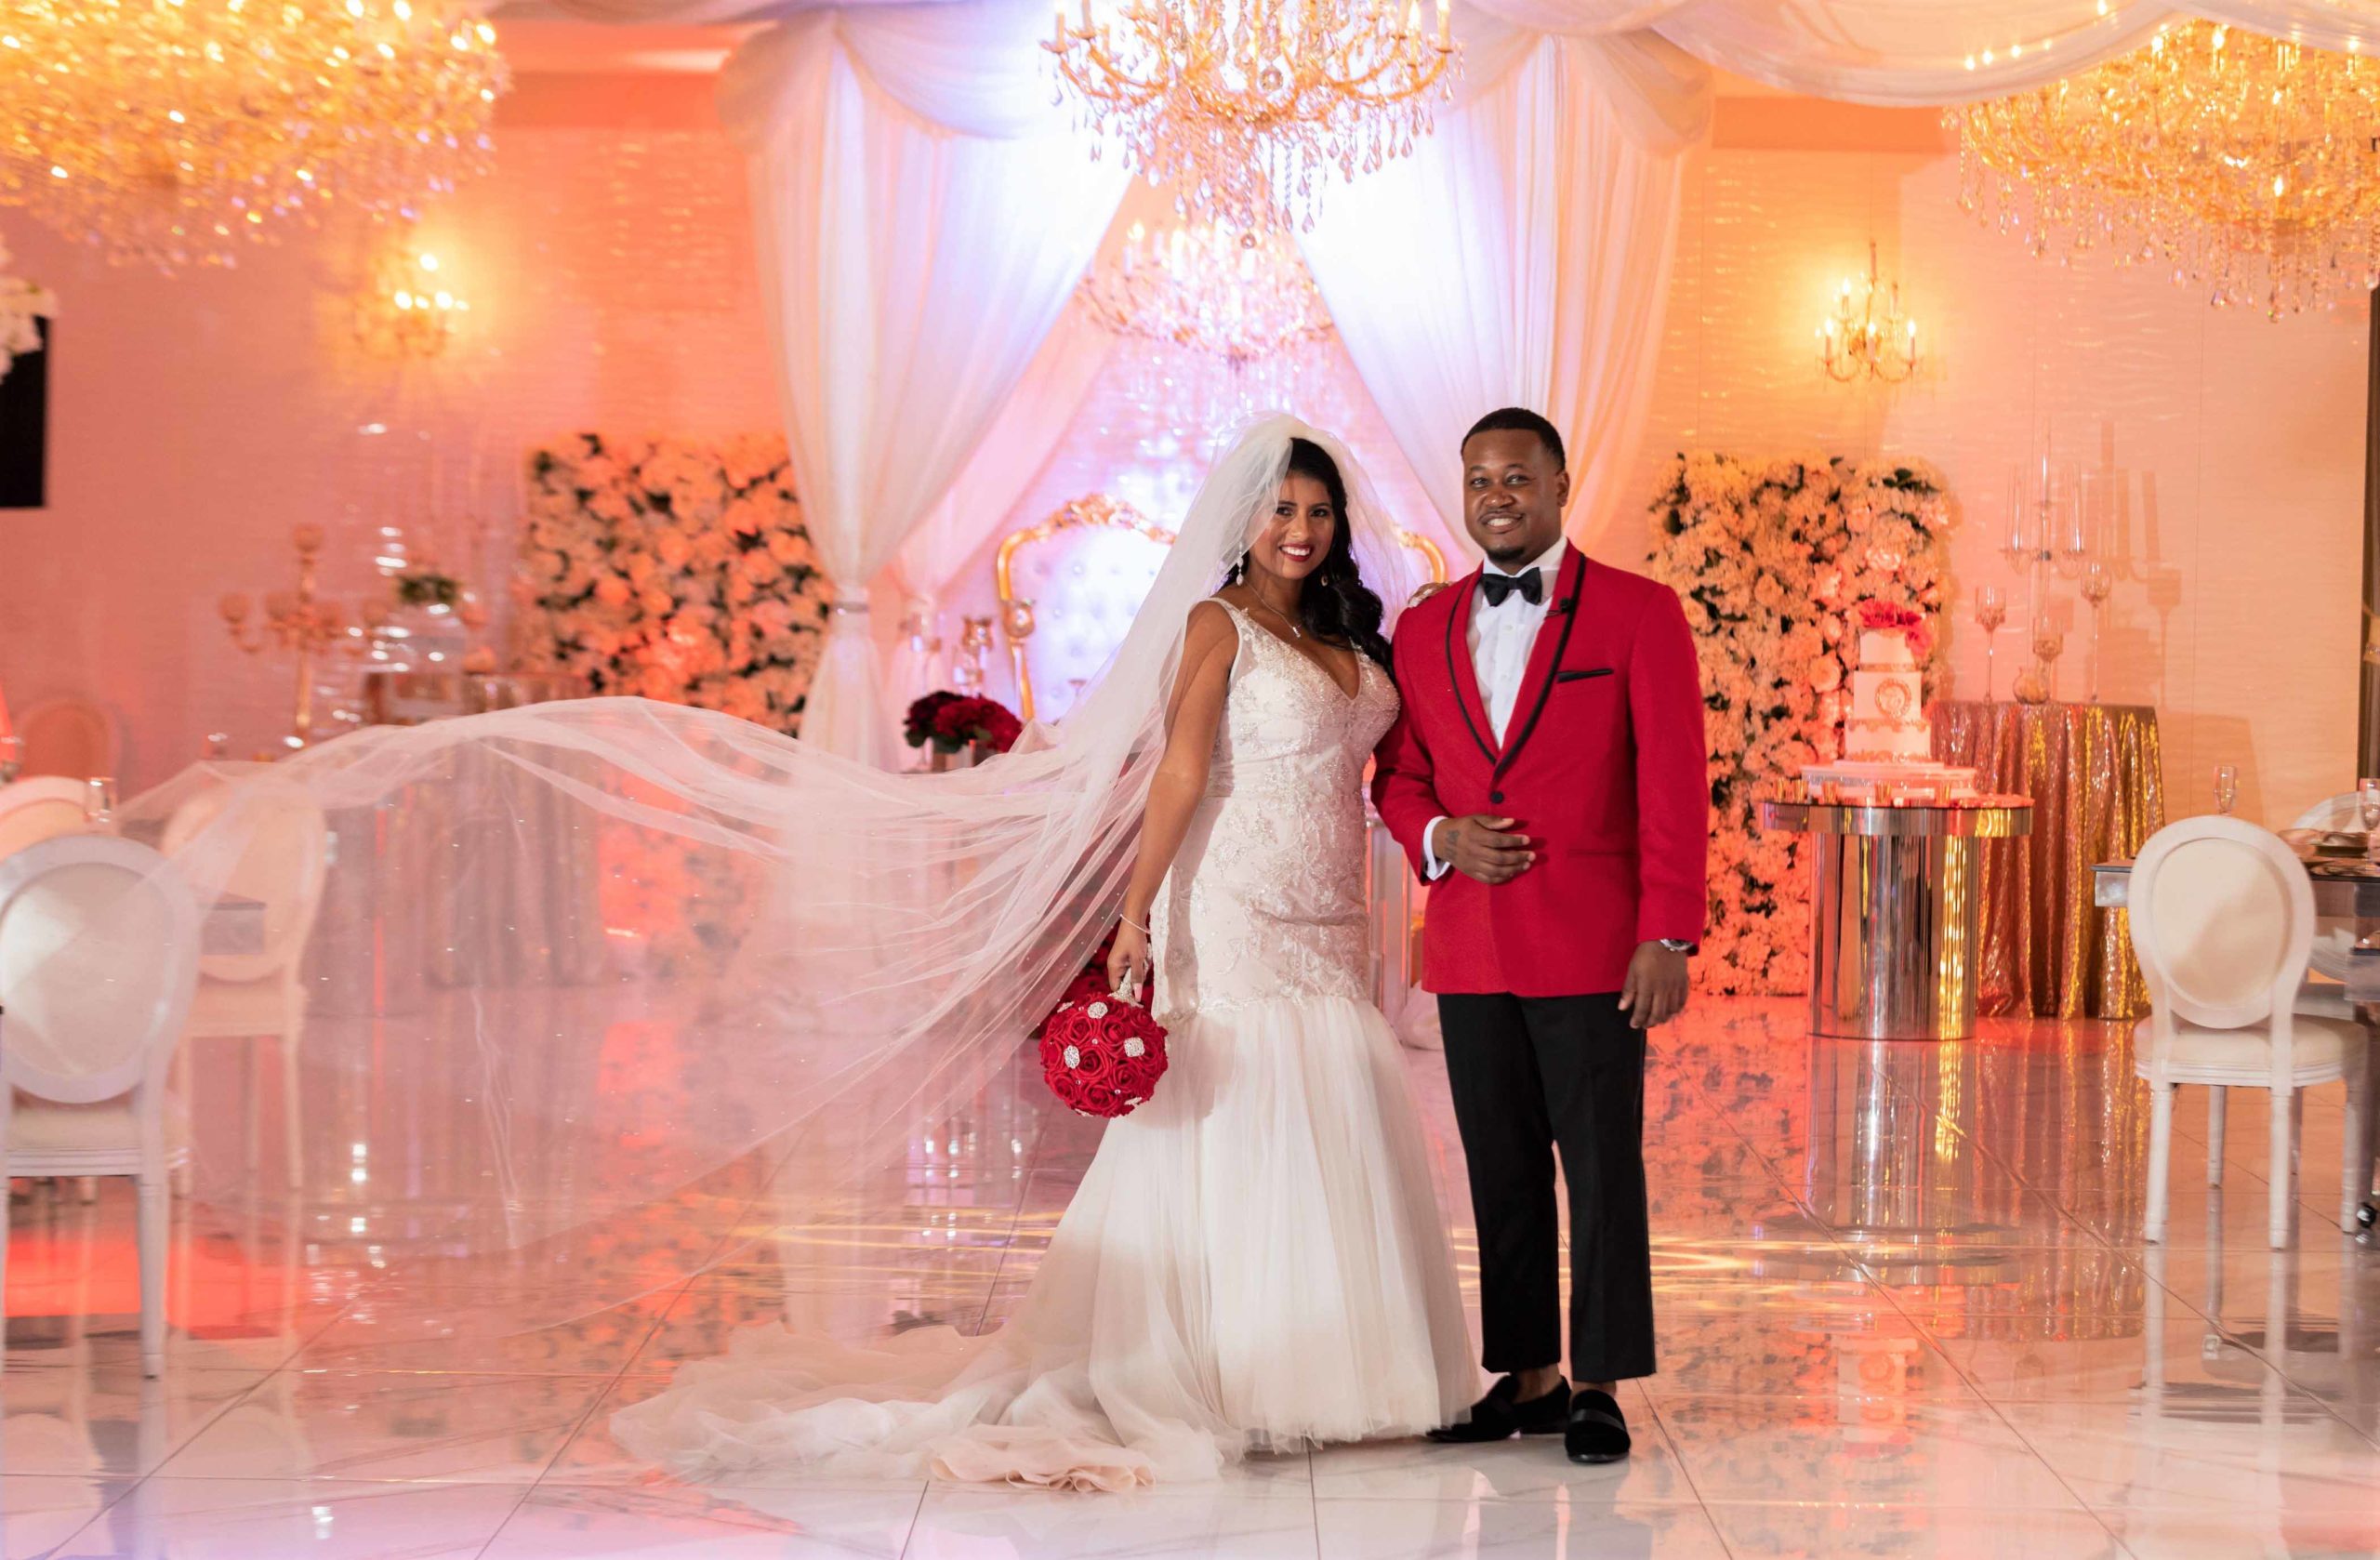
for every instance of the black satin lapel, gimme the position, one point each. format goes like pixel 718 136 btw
pixel 1461 673
pixel 1566 602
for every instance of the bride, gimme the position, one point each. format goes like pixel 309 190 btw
pixel 1254 1262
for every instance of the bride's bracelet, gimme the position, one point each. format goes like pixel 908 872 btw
pixel 1135 925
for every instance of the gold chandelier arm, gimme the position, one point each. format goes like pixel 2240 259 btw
pixel 1115 84
pixel 1355 86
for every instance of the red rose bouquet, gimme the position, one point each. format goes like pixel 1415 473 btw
pixel 951 721
pixel 1102 1056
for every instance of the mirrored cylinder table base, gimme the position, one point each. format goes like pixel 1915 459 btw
pixel 1894 913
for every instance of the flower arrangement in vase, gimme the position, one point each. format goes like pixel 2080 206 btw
pixel 962 728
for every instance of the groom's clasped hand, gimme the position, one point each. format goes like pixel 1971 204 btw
pixel 1484 848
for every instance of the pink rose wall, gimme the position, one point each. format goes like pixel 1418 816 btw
pixel 195 419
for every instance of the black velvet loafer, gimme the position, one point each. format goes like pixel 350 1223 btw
pixel 1500 1414
pixel 1597 1432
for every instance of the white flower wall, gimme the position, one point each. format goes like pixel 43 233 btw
pixel 1770 558
pixel 672 569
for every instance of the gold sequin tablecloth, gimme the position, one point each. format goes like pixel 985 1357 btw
pixel 2096 781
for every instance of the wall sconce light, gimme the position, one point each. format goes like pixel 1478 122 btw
pixel 409 309
pixel 1866 337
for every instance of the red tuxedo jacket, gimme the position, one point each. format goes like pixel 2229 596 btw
pixel 1602 765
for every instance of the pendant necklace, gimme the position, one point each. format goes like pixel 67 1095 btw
pixel 1295 632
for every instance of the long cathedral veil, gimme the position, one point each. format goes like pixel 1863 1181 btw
pixel 598 991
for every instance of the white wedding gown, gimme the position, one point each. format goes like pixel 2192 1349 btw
pixel 1254 1260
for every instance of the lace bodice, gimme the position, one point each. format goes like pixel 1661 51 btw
pixel 1266 900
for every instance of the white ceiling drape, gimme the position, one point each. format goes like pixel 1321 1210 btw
pixel 1873 51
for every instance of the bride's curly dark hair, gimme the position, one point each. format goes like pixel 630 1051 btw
pixel 1337 606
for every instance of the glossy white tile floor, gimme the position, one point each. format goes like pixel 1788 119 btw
pixel 1904 1310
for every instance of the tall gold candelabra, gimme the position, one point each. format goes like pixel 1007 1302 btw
pixel 306 623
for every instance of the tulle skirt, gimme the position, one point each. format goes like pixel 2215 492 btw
pixel 1253 1263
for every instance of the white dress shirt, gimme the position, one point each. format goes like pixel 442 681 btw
pixel 1500 639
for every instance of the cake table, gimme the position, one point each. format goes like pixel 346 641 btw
pixel 1894 909
pixel 2096 777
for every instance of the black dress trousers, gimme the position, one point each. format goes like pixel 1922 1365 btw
pixel 1530 1073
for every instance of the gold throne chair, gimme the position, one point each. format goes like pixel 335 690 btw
pixel 1068 586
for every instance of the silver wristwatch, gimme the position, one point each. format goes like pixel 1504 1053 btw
pixel 1678 944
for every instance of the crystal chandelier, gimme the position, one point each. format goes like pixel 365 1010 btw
pixel 1244 105
pixel 2243 162
pixel 175 132
pixel 1239 298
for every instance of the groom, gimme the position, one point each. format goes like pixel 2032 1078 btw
pixel 1546 773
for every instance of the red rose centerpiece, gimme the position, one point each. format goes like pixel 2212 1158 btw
pixel 954 723
pixel 1102 1056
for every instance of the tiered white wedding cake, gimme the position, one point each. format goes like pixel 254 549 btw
pixel 1887 741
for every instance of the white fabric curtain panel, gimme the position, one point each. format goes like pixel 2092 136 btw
pixel 1010 457
pixel 1520 257
pixel 905 296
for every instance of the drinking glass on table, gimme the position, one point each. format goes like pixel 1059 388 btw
pixel 2082 522
pixel 2099 583
pixel 2227 788
pixel 2367 807
pixel 2049 643
pixel 2015 542
pixel 99 802
pixel 1990 611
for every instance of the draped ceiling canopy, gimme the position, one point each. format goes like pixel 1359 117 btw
pixel 1908 52
pixel 924 210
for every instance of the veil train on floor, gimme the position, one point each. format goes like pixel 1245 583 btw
pixel 600 991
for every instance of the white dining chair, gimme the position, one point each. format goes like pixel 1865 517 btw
pixel 70 736
pixel 33 810
pixel 99 956
pixel 44 807
pixel 2331 960
pixel 2222 918
pixel 256 995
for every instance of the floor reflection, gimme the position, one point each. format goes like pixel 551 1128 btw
pixel 1904 1309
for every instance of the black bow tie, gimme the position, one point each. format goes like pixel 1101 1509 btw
pixel 1530 582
